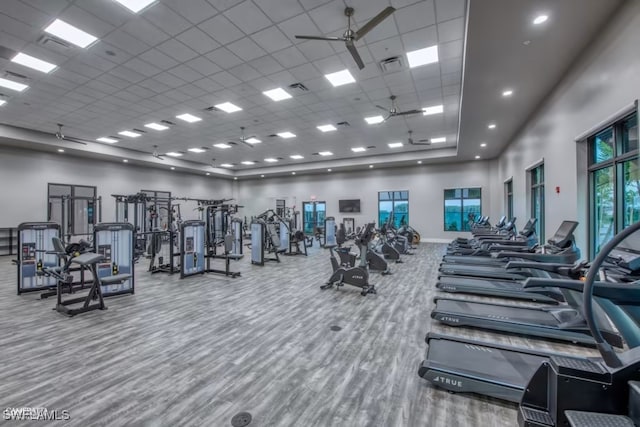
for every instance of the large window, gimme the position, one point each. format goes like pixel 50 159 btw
pixel 614 180
pixel 394 204
pixel 75 207
pixel 537 199
pixel 508 197
pixel 314 214
pixel 461 207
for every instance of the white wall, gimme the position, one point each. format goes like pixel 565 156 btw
pixel 602 82
pixel 24 176
pixel 424 183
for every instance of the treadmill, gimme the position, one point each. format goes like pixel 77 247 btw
pixel 462 365
pixel 563 239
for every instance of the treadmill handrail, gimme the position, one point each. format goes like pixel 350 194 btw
pixel 619 293
pixel 545 266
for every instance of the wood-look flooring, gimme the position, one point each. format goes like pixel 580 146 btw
pixel 194 352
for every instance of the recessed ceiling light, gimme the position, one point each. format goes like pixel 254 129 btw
pixel 235 178
pixel 340 78
pixel 107 140
pixel 226 165
pixel 435 109
pixel 223 146
pixel 129 134
pixel 326 153
pixel 419 162
pixel 261 176
pixel 69 33
pixel 370 166
pixel 437 140
pixel 297 157
pixel 135 6
pixel 477 157
pixel 270 160
pixel 425 56
pixel 358 149
pixel 188 118
pixel 286 135
pixel 507 92
pixel 326 128
pixel 196 150
pixel 172 168
pixel 374 120
pixel 228 107
pixel 31 62
pixel 2 102
pixel 395 144
pixel 329 170
pixel 248 163
pixel 9 84
pixel 492 126
pixel 125 160
pixel 174 154
pixel 60 150
pixel 252 140
pixel 156 126
pixel 540 19
pixel 277 94
pixel 207 173
pixel 293 173
pixel 484 144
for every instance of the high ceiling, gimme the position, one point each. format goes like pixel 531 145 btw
pixel 184 56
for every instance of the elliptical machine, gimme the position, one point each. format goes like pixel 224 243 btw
pixel 355 276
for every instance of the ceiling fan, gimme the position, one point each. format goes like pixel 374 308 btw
pixel 393 111
pixel 62 137
pixel 411 141
pixel 350 36
pixel 156 154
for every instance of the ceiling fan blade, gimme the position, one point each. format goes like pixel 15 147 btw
pixel 382 108
pixel 246 143
pixel 330 39
pixel 405 113
pixel 354 52
pixel 374 22
pixel 70 139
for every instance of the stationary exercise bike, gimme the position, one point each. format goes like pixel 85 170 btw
pixel 355 276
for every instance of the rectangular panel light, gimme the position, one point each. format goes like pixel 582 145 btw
pixel 222 146
pixel 277 94
pixel 358 149
pixel 228 107
pixel 129 134
pixel 2 102
pixel 226 165
pixel 395 144
pixel 252 140
pixel 70 33
pixel 340 78
pixel 197 150
pixel 327 128
pixel 135 6
pixel 107 140
pixel 326 153
pixel 374 120
pixel 286 135
pixel 174 154
pixel 425 56
pixel 9 84
pixel 297 157
pixel 188 118
pixel 437 140
pixel 156 126
pixel 436 109
pixel 270 160
pixel 31 62
pixel 248 163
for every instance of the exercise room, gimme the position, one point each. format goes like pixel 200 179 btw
pixel 320 213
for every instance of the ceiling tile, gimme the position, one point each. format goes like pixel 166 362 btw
pixel 142 67
pixel 198 40
pixel 102 87
pixel 451 30
pixel 127 74
pixel 203 66
pixel 159 59
pixel 154 85
pixel 290 57
pixel 166 19
pixel 226 79
pixel 221 29
pixel 279 10
pixel 386 48
pixel 315 49
pixel 245 72
pixel 80 68
pixel 25 13
pixel 266 65
pixel 271 39
pixel 223 5
pixel 86 21
pixel 115 16
pixel 110 52
pixel 224 58
pixel 306 72
pixel 138 91
pixel 126 42
pixel 329 18
pixel 451 50
pixel 191 90
pixel 177 50
pixel 419 39
pixel 248 17
pixel 114 81
pixel 384 30
pixel 421 14
pixel 170 79
pixel 449 9
pixel 300 25
pixel 52 7
pixel 187 74
pixel 145 31
pixel 246 49
pixel 195 11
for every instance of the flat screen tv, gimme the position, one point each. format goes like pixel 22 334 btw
pixel 349 206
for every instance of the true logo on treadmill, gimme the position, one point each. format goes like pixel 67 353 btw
pixel 448 381
pixel 449 319
pixel 449 287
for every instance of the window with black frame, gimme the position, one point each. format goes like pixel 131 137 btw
pixel 394 204
pixel 536 176
pixel 508 196
pixel 614 181
pixel 462 206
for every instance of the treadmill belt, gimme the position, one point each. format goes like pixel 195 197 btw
pixel 484 363
pixel 468 281
pixel 496 312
